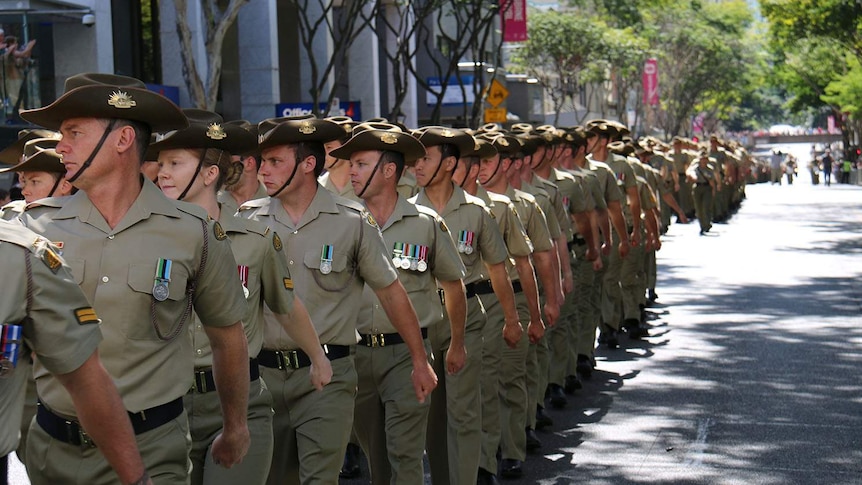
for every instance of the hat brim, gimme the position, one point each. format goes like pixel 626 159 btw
pixel 404 143
pixel 237 140
pixel 42 161
pixel 140 105
pixel 300 131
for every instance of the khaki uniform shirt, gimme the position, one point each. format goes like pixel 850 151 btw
pixel 469 220
pixel 532 218
pixel 515 236
pixel 430 241
pixel 12 210
pixel 116 268
pixel 407 185
pixel 228 203
pixel 607 180
pixel 346 191
pixel 62 329
pixel 262 269
pixel 681 162
pixel 336 229
pixel 592 185
pixel 544 200
pixel 625 177
pixel 556 197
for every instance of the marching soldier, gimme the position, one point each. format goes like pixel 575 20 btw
pixel 248 187
pixel 334 248
pixel 390 423
pixel 118 232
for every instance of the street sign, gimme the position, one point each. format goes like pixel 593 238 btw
pixel 497 93
pixel 495 115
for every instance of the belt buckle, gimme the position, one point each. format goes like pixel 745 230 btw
pixel 377 340
pixel 287 359
pixel 200 384
pixel 84 439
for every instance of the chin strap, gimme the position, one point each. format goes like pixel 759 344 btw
pixel 56 184
pixel 289 180
pixel 197 171
pixel 376 168
pixel 98 147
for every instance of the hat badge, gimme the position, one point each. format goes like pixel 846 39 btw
pixel 548 136
pixel 306 128
pixel 121 100
pixel 503 142
pixel 447 134
pixel 216 132
pixel 389 138
pixel 476 146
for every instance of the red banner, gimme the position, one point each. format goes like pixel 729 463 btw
pixel 514 14
pixel 650 82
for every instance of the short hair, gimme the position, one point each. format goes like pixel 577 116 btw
pixel 142 133
pixel 449 150
pixel 397 158
pixel 314 149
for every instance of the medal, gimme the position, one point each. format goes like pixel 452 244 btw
pixel 163 277
pixel 465 242
pixel 10 347
pixel 412 251
pixel 326 259
pixel 422 265
pixel 397 251
pixel 243 278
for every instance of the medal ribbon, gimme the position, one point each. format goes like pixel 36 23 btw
pixel 398 249
pixel 163 269
pixel 10 338
pixel 423 253
pixel 470 238
pixel 462 238
pixel 243 274
pixel 326 253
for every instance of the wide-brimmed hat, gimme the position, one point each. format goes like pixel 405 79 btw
pixel 11 155
pixel 381 137
pixel 482 149
pixel 98 95
pixel 346 123
pixel 440 135
pixel 40 155
pixel 506 145
pixel 574 135
pixel 206 130
pixel 296 129
pixel 251 128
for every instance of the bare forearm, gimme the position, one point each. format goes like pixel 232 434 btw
pixel 503 289
pixel 635 205
pixel 401 313
pixel 565 263
pixel 528 286
pixel 617 219
pixel 230 372
pixel 544 262
pixel 604 223
pixel 103 415
pixel 456 309
pixel 671 202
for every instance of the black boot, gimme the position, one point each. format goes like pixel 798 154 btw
pixel 585 366
pixel 572 384
pixel 558 397
pixel 486 478
pixel 608 336
pixel 542 418
pixel 533 442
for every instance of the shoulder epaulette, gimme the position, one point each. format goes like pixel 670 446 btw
pixel 192 209
pixel 348 203
pixel 52 202
pixel 254 204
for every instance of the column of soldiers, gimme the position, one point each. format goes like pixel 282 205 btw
pixel 270 293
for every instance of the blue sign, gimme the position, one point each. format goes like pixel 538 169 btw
pixel 345 108
pixel 170 92
pixel 453 96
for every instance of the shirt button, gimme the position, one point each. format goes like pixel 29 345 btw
pixel 105 279
pixel 291 261
pixel 200 351
pixel 111 237
pixel 296 232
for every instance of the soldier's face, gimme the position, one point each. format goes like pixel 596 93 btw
pixel 363 167
pixel 37 185
pixel 330 160
pixel 490 170
pixel 276 167
pixel 79 138
pixel 426 167
pixel 177 168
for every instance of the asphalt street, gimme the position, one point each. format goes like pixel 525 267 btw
pixel 752 372
pixel 752 375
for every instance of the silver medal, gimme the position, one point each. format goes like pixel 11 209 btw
pixel 396 261
pixel 413 265
pixel 405 263
pixel 245 291
pixel 325 267
pixel 160 291
pixel 468 249
pixel 462 247
pixel 422 266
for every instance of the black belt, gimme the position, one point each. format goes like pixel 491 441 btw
pixel 478 288
pixel 385 339
pixel 577 241
pixel 204 381
pixel 699 184
pixel 297 359
pixel 484 287
pixel 61 429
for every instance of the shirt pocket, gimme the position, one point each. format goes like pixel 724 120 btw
pixel 76 267
pixel 168 316
pixel 340 274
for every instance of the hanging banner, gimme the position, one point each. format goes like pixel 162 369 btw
pixel 514 14
pixel 650 82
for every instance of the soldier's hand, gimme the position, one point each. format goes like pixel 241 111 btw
pixel 424 380
pixel 598 264
pixel 606 249
pixel 624 249
pixel 683 219
pixel 648 245
pixel 512 333
pixel 634 239
pixel 456 357
pixel 568 283
pixel 552 312
pixel 536 331
pixel 230 446
pixel 591 254
pixel 320 373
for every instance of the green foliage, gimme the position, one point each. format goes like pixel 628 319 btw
pixel 846 91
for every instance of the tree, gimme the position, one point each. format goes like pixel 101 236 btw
pixel 217 21
pixel 560 45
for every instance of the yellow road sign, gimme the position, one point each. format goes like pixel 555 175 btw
pixel 497 93
pixel 495 115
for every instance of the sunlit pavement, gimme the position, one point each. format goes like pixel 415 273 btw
pixel 752 375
